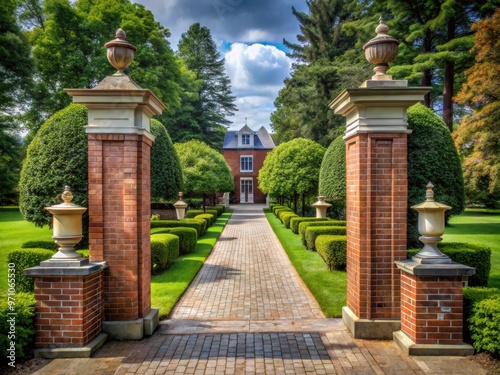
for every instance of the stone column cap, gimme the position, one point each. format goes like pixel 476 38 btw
pixel 447 269
pixel 62 271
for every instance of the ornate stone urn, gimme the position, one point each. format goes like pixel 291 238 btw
pixel 67 227
pixel 180 207
pixel 321 207
pixel 431 228
pixel 380 51
pixel 120 52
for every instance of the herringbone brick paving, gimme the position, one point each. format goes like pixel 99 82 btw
pixel 247 312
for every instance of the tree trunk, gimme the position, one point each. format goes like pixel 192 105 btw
pixel 427 74
pixel 449 79
pixel 295 199
pixel 303 204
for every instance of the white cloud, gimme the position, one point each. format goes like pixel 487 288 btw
pixel 257 72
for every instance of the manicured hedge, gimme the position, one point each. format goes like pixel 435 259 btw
pixel 333 250
pixel 209 218
pixel 27 258
pixel 199 225
pixel 330 223
pixel 193 213
pixel 187 237
pixel 164 250
pixel 49 245
pixel 24 327
pixel 472 296
pixel 218 207
pixel 285 218
pixel 313 232
pixel 295 222
pixel 471 255
pixel 278 211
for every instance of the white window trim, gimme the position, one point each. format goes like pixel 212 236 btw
pixel 240 140
pixel 246 156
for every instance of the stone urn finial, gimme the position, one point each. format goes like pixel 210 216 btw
pixel 381 50
pixel 120 52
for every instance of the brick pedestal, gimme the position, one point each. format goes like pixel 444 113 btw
pixel 69 311
pixel 119 157
pixel 432 309
pixel 376 203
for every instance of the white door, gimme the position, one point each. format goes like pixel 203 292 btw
pixel 246 190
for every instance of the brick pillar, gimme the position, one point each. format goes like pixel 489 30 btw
pixel 432 309
pixel 376 202
pixel 120 142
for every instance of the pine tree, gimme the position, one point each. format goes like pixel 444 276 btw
pixel 215 101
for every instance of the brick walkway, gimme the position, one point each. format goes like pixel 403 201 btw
pixel 247 312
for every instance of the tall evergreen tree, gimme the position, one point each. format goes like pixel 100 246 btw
pixel 215 101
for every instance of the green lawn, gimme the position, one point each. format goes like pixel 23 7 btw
pixel 14 231
pixel 479 226
pixel 328 287
pixel 169 286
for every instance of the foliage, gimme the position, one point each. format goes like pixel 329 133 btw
pixel 313 232
pixel 332 171
pixel 286 217
pixel 205 170
pixel 292 169
pixel 199 225
pixel 164 250
pixel 10 157
pixel 49 245
pixel 295 222
pixel 209 218
pixel 214 100
pixel 303 225
pixel 187 237
pixel 166 173
pixel 24 329
pixel 27 258
pixel 432 156
pixel 56 157
pixel 484 327
pixel 472 296
pixel 193 213
pixel 67 51
pixel 478 136
pixel 472 255
pixel 333 250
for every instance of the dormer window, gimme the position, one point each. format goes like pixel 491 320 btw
pixel 245 139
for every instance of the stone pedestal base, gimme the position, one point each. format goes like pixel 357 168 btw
pixel 379 329
pixel 132 329
pixel 85 351
pixel 410 348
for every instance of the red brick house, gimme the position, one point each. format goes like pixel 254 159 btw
pixel 244 152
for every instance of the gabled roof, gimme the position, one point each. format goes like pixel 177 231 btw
pixel 262 139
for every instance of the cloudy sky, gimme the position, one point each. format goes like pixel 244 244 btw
pixel 249 34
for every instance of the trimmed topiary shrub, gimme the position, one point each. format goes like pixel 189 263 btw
pixel 164 250
pixel 333 250
pixel 295 222
pixel 432 156
pixel 286 217
pixel 472 296
pixel 49 245
pixel 328 223
pixel 56 157
pixel 218 207
pixel 187 237
pixel 24 327
pixel 209 218
pixel 190 214
pixel 27 258
pixel 166 173
pixel 484 327
pixel 277 207
pixel 199 225
pixel 332 171
pixel 313 232
pixel 278 211
pixel 471 255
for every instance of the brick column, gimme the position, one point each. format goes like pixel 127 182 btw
pixel 376 202
pixel 432 309
pixel 120 142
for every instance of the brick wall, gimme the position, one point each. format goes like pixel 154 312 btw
pixel 232 158
pixel 69 310
pixel 422 300
pixel 119 209
pixel 376 190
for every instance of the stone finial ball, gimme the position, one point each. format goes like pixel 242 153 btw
pixel 120 53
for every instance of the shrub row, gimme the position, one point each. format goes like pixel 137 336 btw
pixel 313 232
pixel 27 258
pixel 187 237
pixel 199 224
pixel 471 255
pixel 295 222
pixel 164 250
pixel 209 218
pixel 190 214
pixel 309 224
pixel 481 317
pixel 285 217
pixel 333 250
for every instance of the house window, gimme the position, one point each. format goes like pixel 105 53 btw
pixel 246 164
pixel 245 139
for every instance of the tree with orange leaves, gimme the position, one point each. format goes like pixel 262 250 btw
pixel 478 136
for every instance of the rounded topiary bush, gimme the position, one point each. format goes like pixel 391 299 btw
pixel 332 172
pixel 166 173
pixel 432 156
pixel 56 157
